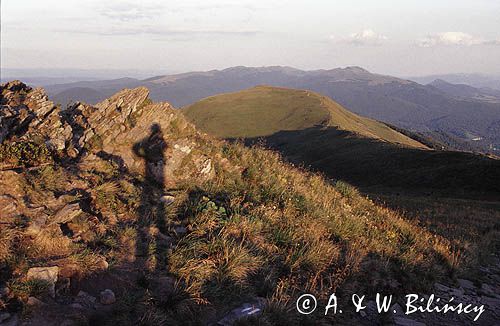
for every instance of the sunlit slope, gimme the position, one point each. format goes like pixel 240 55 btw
pixel 263 111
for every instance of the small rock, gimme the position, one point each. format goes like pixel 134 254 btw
pixel 107 297
pixel 245 310
pixel 47 274
pixel 207 168
pixel 167 200
pixel 36 224
pixel 66 214
pixel 102 264
pixel 34 302
pixel 400 321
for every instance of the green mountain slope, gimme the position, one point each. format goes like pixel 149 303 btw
pixel 263 110
pixel 312 130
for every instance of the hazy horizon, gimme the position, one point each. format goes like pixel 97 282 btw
pixel 387 37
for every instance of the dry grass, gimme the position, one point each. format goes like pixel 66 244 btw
pixel 288 231
pixel 260 228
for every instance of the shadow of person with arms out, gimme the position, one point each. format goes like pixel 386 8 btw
pixel 151 212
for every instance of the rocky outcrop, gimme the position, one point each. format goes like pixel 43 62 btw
pixel 109 129
pixel 68 177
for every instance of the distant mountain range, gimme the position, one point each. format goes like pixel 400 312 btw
pixel 474 80
pixel 461 117
pixel 463 91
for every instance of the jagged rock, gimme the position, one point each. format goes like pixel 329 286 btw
pixel 11 196
pixel 46 274
pixel 34 302
pixel 114 126
pixel 107 297
pixel 184 149
pixel 36 224
pixel 245 310
pixel 66 214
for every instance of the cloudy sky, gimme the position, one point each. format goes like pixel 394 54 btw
pixel 399 37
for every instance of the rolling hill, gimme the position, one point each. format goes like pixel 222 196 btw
pixel 311 129
pixel 263 111
pixel 463 123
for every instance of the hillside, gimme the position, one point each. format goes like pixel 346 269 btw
pixel 463 91
pixel 71 95
pixel 122 213
pixel 310 129
pixel 403 103
pixel 263 111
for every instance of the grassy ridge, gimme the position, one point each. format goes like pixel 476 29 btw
pixel 263 111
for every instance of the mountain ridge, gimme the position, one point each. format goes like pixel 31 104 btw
pixel 403 103
pixel 338 143
pixel 303 109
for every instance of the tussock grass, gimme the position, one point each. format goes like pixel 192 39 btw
pixel 287 231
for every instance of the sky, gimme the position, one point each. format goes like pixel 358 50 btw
pixel 397 37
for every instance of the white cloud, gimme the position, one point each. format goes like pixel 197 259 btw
pixel 365 37
pixel 129 10
pixel 454 39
